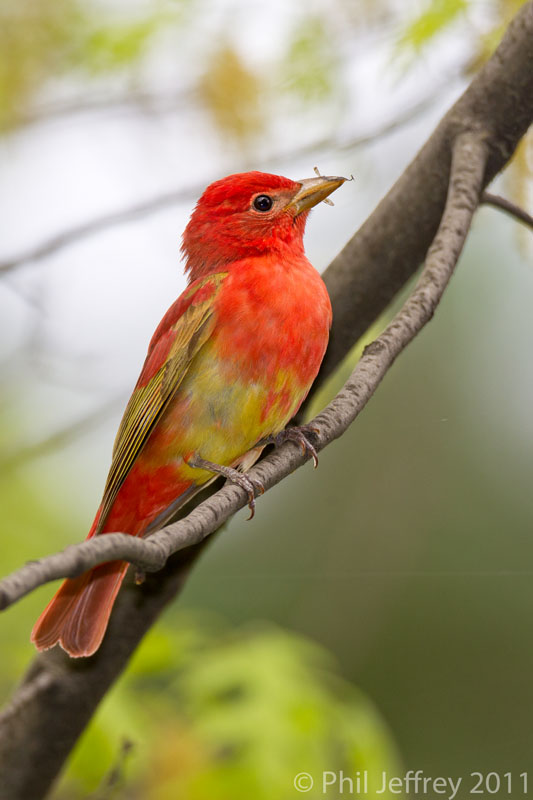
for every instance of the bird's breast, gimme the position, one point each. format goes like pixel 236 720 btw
pixel 273 318
pixel 270 335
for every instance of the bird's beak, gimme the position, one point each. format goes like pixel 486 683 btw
pixel 313 191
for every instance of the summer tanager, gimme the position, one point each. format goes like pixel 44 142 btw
pixel 228 366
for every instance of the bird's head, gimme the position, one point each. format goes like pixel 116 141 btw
pixel 250 214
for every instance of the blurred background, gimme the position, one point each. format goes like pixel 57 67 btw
pixel 376 613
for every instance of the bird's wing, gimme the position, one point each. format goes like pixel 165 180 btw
pixel 183 331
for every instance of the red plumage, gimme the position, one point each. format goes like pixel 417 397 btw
pixel 228 366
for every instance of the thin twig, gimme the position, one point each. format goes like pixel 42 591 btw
pixel 115 776
pixel 468 162
pixel 100 223
pixel 140 101
pixel 510 208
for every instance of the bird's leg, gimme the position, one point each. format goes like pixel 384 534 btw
pixel 233 476
pixel 300 435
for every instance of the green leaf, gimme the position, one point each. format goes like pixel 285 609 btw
pixel 238 716
pixel 436 17
pixel 310 67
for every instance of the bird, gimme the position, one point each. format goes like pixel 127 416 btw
pixel 227 368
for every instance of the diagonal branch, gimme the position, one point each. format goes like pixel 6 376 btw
pixel 392 243
pixel 151 554
pixel 510 208
pixel 100 223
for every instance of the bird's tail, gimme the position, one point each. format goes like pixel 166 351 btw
pixel 78 614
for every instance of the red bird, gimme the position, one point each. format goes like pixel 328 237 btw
pixel 227 368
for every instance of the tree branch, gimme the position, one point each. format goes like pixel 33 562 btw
pixel 152 553
pixel 510 208
pixel 362 280
pixel 390 246
pixel 78 232
pixel 45 680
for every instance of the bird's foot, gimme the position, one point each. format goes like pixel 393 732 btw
pixel 300 435
pixel 250 485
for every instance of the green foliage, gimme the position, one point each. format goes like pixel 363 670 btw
pixel 436 17
pixel 46 40
pixel 117 46
pixel 310 67
pixel 34 43
pixel 229 716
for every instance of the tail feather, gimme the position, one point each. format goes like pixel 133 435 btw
pixel 76 617
pixel 78 614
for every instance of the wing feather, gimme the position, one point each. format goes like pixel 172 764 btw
pixel 147 403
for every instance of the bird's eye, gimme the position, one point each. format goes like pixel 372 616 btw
pixel 263 203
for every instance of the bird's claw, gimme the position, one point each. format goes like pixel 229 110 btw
pixel 250 485
pixel 300 435
pixel 259 488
